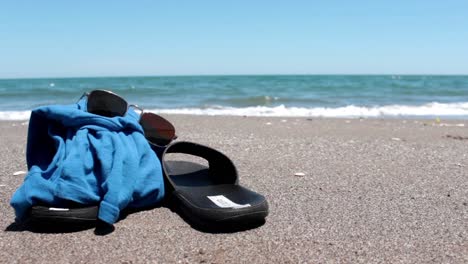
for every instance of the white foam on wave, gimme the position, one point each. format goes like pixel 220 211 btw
pixel 431 109
pixel 14 115
pixel 455 110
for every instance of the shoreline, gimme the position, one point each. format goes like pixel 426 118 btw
pixel 373 190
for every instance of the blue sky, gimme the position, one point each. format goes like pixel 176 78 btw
pixel 114 38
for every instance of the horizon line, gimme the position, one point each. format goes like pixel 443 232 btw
pixel 233 75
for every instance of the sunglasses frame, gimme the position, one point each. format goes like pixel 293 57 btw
pixel 128 106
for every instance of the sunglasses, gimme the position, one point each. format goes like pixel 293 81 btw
pixel 158 131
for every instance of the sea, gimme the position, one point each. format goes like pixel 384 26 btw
pixel 341 96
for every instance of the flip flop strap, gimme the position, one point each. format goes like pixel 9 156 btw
pixel 219 164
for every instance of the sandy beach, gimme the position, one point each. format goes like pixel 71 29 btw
pixel 373 190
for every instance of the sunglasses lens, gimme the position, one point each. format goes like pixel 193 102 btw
pixel 106 104
pixel 157 130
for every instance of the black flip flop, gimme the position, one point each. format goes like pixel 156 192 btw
pixel 210 196
pixel 74 214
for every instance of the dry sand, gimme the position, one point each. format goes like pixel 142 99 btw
pixel 373 191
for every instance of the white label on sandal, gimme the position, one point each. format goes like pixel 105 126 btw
pixel 223 202
pixel 58 209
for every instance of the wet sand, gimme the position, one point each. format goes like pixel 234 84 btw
pixel 373 191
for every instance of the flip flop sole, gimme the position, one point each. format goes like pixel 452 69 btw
pixel 64 215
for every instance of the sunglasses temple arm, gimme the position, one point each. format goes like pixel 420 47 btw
pixel 85 94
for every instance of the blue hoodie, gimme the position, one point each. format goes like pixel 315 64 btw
pixel 73 155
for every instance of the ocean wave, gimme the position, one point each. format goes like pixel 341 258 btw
pixel 426 110
pixel 455 110
pixel 14 115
